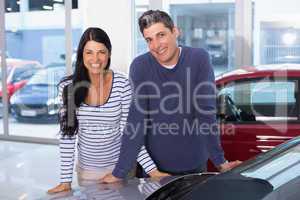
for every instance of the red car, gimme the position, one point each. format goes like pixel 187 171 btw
pixel 18 72
pixel 258 108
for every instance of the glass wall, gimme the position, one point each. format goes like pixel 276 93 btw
pixel 209 26
pixel 140 7
pixel 276 32
pixel 34 5
pixel 35 44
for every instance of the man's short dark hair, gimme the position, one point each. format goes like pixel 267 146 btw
pixel 155 16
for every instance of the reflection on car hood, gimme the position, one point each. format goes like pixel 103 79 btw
pixel 135 189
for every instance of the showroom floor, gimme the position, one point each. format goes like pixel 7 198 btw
pixel 27 171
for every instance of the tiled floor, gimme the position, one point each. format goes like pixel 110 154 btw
pixel 27 171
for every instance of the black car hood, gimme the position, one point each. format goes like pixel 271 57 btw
pixel 231 186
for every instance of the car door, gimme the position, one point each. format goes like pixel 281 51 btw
pixel 257 114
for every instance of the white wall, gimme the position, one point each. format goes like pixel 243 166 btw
pixel 115 17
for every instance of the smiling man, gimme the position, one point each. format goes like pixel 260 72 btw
pixel 173 112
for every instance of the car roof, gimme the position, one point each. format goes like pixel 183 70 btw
pixel 260 71
pixel 14 62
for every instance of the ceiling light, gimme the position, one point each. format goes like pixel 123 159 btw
pixel 289 38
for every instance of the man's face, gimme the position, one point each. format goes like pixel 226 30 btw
pixel 162 43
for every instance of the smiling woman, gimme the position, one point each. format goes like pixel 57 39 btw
pixel 94 107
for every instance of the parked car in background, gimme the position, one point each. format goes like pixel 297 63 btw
pixel 18 73
pixel 258 108
pixel 38 100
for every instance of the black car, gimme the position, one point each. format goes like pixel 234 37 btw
pixel 273 175
pixel 37 101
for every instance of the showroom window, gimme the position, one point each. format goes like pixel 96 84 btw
pixel 36 5
pixel 276 32
pixel 12 5
pixel 280 43
pixel 209 26
pixel 49 4
pixel 140 7
pixel 35 63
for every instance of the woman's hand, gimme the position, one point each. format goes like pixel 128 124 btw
pixel 62 187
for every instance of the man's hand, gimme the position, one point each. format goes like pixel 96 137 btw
pixel 157 174
pixel 228 165
pixel 62 187
pixel 109 178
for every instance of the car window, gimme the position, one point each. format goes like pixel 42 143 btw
pixel 262 100
pixel 267 92
pixel 24 72
pixel 279 170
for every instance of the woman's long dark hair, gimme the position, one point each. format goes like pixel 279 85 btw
pixel 75 93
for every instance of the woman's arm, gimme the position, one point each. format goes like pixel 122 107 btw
pixel 67 151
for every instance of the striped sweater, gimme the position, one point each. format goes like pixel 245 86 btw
pixel 100 129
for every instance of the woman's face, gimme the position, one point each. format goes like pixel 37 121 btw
pixel 95 57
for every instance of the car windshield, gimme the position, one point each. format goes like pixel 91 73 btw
pixel 279 170
pixel 49 76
